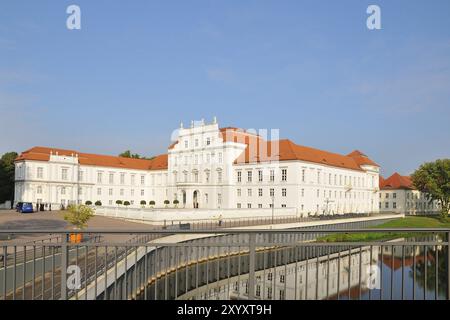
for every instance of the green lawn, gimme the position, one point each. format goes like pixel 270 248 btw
pixel 407 222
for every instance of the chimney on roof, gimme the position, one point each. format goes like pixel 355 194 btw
pixel 181 125
pixel 51 152
pixel 56 153
pixel 214 120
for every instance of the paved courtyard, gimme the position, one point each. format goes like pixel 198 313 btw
pixel 10 219
pixel 54 220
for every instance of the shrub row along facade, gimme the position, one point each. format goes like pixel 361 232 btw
pixel 207 167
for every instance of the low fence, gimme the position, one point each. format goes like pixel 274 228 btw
pixel 175 216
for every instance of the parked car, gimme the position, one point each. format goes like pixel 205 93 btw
pixel 18 206
pixel 26 208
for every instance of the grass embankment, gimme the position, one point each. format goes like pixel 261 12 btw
pixel 407 222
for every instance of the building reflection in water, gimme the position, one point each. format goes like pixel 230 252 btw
pixel 346 274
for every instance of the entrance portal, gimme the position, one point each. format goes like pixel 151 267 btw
pixel 195 199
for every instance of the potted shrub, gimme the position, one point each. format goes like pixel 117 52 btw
pixel 119 202
pixel 126 203
pixel 88 203
pixel 78 216
pixel 98 203
pixel 166 202
pixel 152 203
pixel 143 203
pixel 176 202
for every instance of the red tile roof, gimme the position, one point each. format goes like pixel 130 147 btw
pixel 396 181
pixel 361 158
pixel 43 154
pixel 258 150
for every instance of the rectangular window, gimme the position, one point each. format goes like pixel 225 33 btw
pixel 249 205
pixel 272 192
pixel 99 191
pixel 99 177
pixel 239 176
pixel 142 180
pixel 122 178
pixel 386 205
pixel 219 177
pixel 260 205
pixel 394 195
pixel 272 175
pixel 260 176
pixel 249 192
pixel 132 179
pixel 110 192
pixel 219 198
pixel 284 175
pixel 220 157
pixel 249 176
pixel 303 175
pixel 121 192
pixel 303 192
pixel 239 206
pixel 142 192
pixel 40 172
pixel 80 175
pixel 132 192
pixel 64 173
pixel 111 178
pixel 394 205
pixel 239 192
pixel 260 192
pixel 283 192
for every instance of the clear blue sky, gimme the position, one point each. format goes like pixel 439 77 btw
pixel 310 68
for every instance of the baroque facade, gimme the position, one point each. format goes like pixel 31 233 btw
pixel 206 167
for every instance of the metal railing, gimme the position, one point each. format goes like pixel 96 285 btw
pixel 228 264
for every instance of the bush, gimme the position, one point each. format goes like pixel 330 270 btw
pixel 152 203
pixel 88 203
pixel 98 203
pixel 176 201
pixel 126 203
pixel 79 215
pixel 119 202
pixel 143 202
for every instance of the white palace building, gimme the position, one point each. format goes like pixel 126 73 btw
pixel 207 167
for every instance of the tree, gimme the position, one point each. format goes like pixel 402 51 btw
pixel 79 215
pixel 152 203
pixel 128 154
pixel 7 176
pixel 143 202
pixel 88 203
pixel 119 202
pixel 166 202
pixel 176 202
pixel 433 179
pixel 98 203
pixel 126 203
